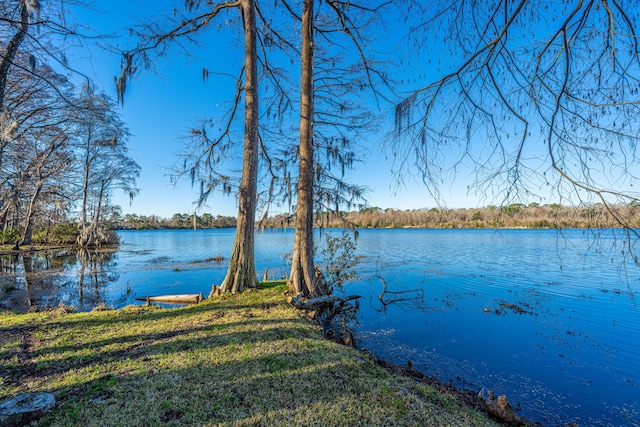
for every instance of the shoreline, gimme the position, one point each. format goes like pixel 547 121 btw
pixel 250 343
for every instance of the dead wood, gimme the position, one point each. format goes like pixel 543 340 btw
pixel 499 408
pixel 302 303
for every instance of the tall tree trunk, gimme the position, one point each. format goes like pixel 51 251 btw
pixel 302 277
pixel 241 273
pixel 85 183
pixel 12 48
pixel 28 218
pixel 90 231
pixel 6 59
pixel 96 216
pixel 84 236
pixel 4 212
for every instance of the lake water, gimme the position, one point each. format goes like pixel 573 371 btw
pixel 547 318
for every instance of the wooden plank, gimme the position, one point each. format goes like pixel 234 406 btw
pixel 174 299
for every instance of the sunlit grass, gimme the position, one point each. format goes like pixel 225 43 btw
pixel 239 360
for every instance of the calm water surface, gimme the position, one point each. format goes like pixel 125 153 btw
pixel 548 319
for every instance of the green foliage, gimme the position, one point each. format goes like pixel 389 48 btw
pixel 58 233
pixel 40 236
pixel 542 224
pixel 511 209
pixel 373 209
pixel 178 220
pixel 64 232
pixel 10 235
pixel 68 233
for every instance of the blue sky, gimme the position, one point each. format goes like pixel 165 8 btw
pixel 161 106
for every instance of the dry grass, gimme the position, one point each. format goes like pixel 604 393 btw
pixel 236 361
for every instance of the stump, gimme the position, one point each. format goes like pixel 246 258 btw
pixel 500 408
pixel 24 408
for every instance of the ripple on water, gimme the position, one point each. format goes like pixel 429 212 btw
pixel 528 313
pixel 569 354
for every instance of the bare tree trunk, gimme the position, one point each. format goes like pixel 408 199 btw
pixel 28 218
pixel 85 184
pixel 6 59
pixel 242 271
pixel 90 231
pixel 96 216
pixel 5 220
pixel 12 49
pixel 84 237
pixel 301 279
pixel 4 213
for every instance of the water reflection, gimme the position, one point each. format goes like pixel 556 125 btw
pixel 46 279
pixel 548 319
pixel 405 299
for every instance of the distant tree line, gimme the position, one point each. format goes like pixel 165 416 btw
pixel 178 220
pixel 515 215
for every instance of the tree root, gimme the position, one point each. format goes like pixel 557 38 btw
pixel 499 408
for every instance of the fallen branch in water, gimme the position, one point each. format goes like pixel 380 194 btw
pixel 412 297
pixel 302 303
pixel 325 310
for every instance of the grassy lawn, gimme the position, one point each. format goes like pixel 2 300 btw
pixel 245 360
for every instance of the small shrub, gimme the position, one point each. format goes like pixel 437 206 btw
pixel 339 260
pixel 64 308
pixel 40 236
pixel 110 237
pixel 10 236
pixel 59 234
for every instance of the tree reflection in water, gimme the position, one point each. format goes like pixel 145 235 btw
pixel 46 279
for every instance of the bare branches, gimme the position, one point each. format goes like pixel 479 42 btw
pixel 34 28
pixel 352 31
pixel 518 78
pixel 158 42
pixel 203 156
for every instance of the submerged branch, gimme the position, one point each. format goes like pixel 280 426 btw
pixel 302 303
